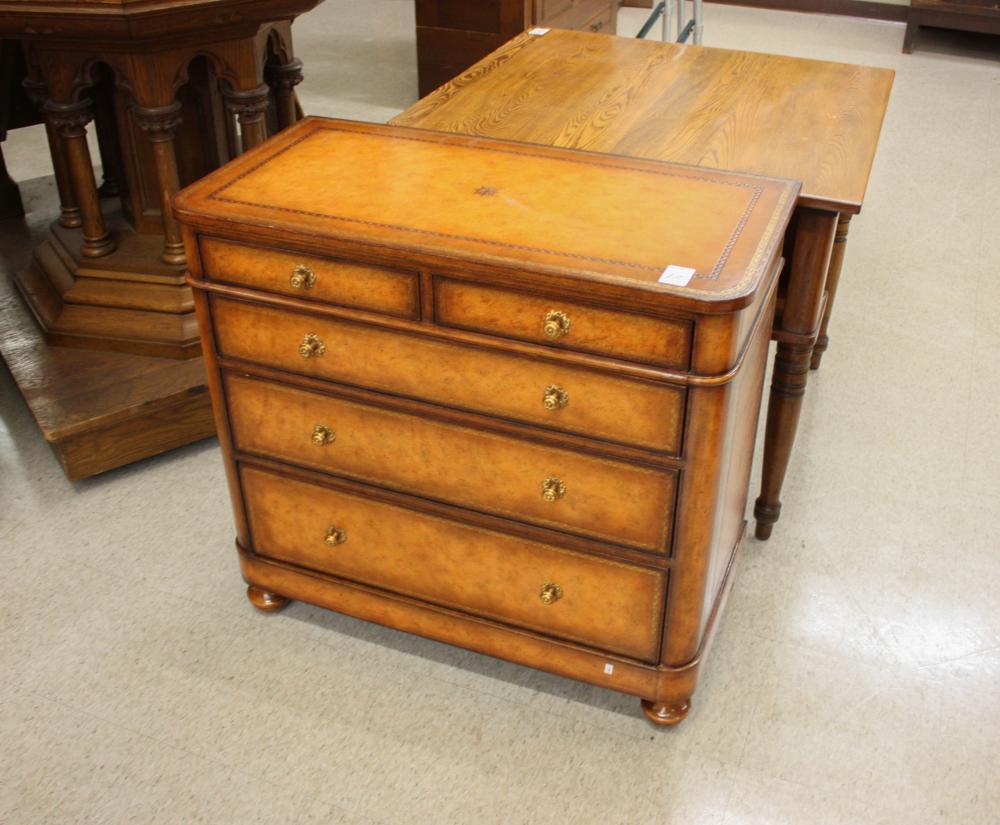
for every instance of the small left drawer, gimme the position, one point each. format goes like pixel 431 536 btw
pixel 313 278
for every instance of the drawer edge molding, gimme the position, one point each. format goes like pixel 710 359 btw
pixel 627 368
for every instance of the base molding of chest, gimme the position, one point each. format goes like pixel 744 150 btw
pixel 657 685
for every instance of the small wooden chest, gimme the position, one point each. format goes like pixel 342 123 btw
pixel 458 394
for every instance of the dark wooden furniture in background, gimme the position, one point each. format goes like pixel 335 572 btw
pixel 454 34
pixel 462 403
pixel 965 15
pixel 806 120
pixel 175 90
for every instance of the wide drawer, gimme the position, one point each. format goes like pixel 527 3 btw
pixel 599 602
pixel 539 392
pixel 313 278
pixel 609 500
pixel 558 323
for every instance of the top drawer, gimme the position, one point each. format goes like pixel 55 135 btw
pixel 312 278
pixel 660 341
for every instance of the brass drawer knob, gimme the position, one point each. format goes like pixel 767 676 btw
pixel 555 398
pixel 550 593
pixel 311 346
pixel 556 324
pixel 303 277
pixel 597 26
pixel 553 489
pixel 322 436
pixel 335 536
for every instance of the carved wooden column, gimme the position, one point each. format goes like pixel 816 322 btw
pixel 250 108
pixel 70 121
pixel 159 125
pixel 113 372
pixel 283 79
pixel 69 212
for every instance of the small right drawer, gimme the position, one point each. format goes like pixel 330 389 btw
pixel 664 342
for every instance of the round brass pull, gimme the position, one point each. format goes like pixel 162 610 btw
pixel 553 489
pixel 311 346
pixel 335 536
pixel 550 593
pixel 555 398
pixel 303 277
pixel 597 26
pixel 321 436
pixel 556 324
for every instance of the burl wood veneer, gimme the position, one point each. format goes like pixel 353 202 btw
pixel 455 398
pixel 807 120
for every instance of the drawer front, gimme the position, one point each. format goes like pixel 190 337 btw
pixel 312 278
pixel 609 500
pixel 601 603
pixel 545 394
pixel 578 14
pixel 559 323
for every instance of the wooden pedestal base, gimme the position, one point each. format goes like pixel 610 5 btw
pixel 126 301
pixel 101 410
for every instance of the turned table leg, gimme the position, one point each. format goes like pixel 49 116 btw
pixel 813 243
pixel 266 601
pixel 70 121
pixel 832 281
pixel 159 125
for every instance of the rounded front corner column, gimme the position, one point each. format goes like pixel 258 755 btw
pixel 832 282
pixel 282 80
pixel 250 108
pixel 69 211
pixel 159 124
pixel 70 122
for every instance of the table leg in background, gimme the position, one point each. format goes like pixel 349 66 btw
pixel 812 246
pixel 832 280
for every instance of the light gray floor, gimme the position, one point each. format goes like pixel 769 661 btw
pixel 856 677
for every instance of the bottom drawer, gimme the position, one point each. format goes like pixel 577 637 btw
pixel 601 603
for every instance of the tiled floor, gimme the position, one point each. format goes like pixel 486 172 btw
pixel 856 678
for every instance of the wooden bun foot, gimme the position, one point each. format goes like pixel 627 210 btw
pixel 265 601
pixel 666 715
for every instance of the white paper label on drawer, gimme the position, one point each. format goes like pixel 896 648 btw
pixel 677 275
pixel 538 31
pixel 609 668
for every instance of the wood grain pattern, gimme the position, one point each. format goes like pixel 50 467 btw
pixel 542 540
pixel 599 405
pixel 604 499
pixel 604 604
pixel 336 282
pixel 496 192
pixel 518 315
pixel 807 120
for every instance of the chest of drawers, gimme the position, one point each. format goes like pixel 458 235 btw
pixel 454 34
pixel 454 396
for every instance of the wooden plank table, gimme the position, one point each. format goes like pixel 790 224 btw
pixel 812 121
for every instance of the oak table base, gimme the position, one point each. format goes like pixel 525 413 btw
pixel 98 410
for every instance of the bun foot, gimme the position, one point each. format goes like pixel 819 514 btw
pixel 666 715
pixel 265 601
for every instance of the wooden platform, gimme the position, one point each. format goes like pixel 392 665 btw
pixel 98 410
